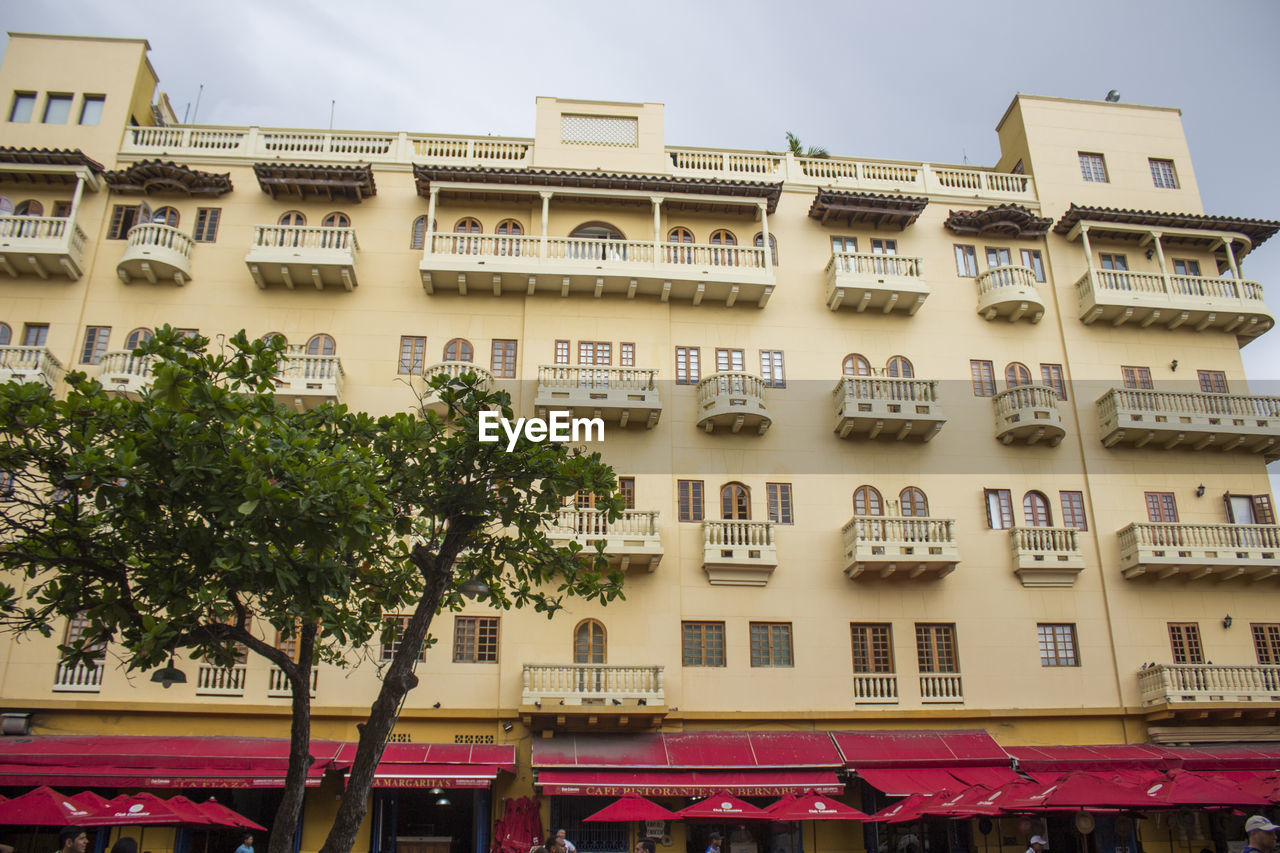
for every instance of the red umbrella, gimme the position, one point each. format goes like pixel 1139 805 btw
pixel 903 810
pixel 812 806
pixel 89 800
pixel 1069 792
pixel 1182 788
pixel 43 807
pixel 1263 786
pixel 147 810
pixel 968 803
pixel 723 806
pixel 631 807
pixel 220 814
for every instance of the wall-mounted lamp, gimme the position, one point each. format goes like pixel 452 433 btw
pixel 473 587
pixel 1200 490
pixel 1151 253
pixel 1173 365
pixel 508 726
pixel 443 801
pixel 167 676
pixel 1226 621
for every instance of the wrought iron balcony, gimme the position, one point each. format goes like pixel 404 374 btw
pixel 887 407
pixel 910 547
pixel 1195 551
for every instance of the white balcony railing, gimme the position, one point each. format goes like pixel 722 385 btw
pixel 1198 302
pixel 1009 292
pixel 1028 413
pixel 29 364
pixel 78 677
pixel 156 251
pixel 732 399
pixel 294 254
pixel 309 379
pixel 633 538
pixel 1194 551
pixel 880 282
pixel 1170 419
pixel 278 685
pixel 886 545
pixel 43 245
pixel 592 683
pixel 1046 556
pixel 122 372
pixel 619 394
pixel 876 406
pixel 875 688
pixel 739 553
pixel 453 369
pixel 1172 683
pixel 939 689
pixel 220 681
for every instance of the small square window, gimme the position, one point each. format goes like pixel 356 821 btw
pixel 91 109
pixel 57 109
pixel 35 334
pixel 475 639
pixel 24 104
pixel 1058 645
pixel 1163 174
pixel 702 643
pixel 771 644
pixel 1093 168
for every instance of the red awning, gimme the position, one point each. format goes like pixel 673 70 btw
pixel 987 777
pixel 686 783
pixel 435 765
pixel 690 750
pixel 122 761
pixel 903 783
pixel 1060 759
pixel 905 749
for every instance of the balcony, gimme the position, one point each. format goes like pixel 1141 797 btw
pixel 881 282
pixel 278 686
pixel 1009 292
pixel 592 697
pixel 1255 690
pixel 29 364
pixel 1197 302
pixel 1028 414
pixel 632 540
pixel 738 553
pixel 454 370
pixel 294 254
pixel 733 400
pixel 44 245
pixel 77 678
pixel 909 547
pixel 887 407
pixel 220 681
pixel 124 373
pixel 306 381
pixel 156 252
pixel 941 689
pixel 1046 556
pixel 1190 420
pixel 564 265
pixel 880 688
pixel 621 395
pixel 1194 551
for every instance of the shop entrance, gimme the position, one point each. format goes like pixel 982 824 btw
pixel 413 820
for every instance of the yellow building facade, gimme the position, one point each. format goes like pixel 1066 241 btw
pixel 909 447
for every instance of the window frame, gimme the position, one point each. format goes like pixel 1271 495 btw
pixel 59 98
pixel 688 365
pixel 855 360
pixel 701 652
pixel 1058 644
pixel 873 656
pixel 771 644
pixel 92 351
pixel 207 221
pixel 1185 642
pixel 735 501
pixel 1071 502
pixel 503 358
pixel 781 503
pixel 772 368
pixel 1159 164
pixel 1136 377
pixel 1034 261
pixel 982 373
pixel 1213 381
pixel 415 347
pixel 966 260
pixel 389 648
pixel 476 648
pixel 318 343
pixel 1052 376
pixel 462 347
pixel 560 351
pixel 1036 508
pixel 730 356
pixel 1266 642
pixel 1000 500
pixel 1094 169
pixel 933 657
pixel 690 500
pixel 20 99
pixel 597 642
pixel 870 500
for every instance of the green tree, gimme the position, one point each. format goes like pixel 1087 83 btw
pixel 798 150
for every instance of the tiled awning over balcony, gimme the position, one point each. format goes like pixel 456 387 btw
pixel 1004 220
pixel 164 177
pixel 332 183
pixel 1196 229
pixel 49 166
pixel 887 407
pixel 1190 420
pixel 1193 551
pixel 832 207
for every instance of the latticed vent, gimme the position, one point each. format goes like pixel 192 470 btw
pixel 599 130
pixel 400 737
pixel 473 738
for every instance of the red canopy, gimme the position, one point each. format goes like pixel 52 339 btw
pixel 631 807
pixel 1071 791
pixel 148 810
pixel 220 814
pixel 43 807
pixel 721 806
pixel 1184 788
pixel 901 811
pixel 89 800
pixel 967 803
pixel 813 806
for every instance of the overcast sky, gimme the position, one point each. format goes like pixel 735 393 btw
pixel 905 80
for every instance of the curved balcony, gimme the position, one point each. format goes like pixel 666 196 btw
pixel 738 553
pixel 1192 420
pixel 453 369
pixel 29 364
pixel 1046 556
pixel 1028 414
pixel 156 252
pixel 43 245
pixel 307 381
pixel 887 407
pixel 732 400
pixel 121 372
pixel 294 254
pixel 1009 292
pixel 632 540
pixel 882 283
pixel 1196 302
pixel 621 395
pixel 909 547
pixel 1194 551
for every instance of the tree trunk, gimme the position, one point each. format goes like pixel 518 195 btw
pixel 295 781
pixel 395 686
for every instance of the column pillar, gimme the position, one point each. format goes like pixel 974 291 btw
pixel 546 214
pixel 1164 270
pixel 657 228
pixel 429 231
pixel 764 234
pixel 1231 258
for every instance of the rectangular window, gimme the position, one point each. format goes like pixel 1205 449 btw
pixel 57 109
pixel 1136 377
pixel 872 648
pixel 966 261
pixel 1249 509
pixel 77 627
pixel 703 643
pixel 1093 168
pixel 595 352
pixel 626 354
pixel 1212 381
pixel 1058 645
pixel 627 488
pixel 999 508
pixel 1113 261
pixel 1161 508
pixel 95 344
pixel 771 369
pixel 288 644
pixel 24 104
pixel 1266 642
pixel 1184 639
pixel 61 209
pixel 413 350
pixel 771 644
pixel 35 334
pixel 1018 168
pixel 1051 375
pixel 391 643
pixel 207 219
pixel 503 362
pixel 122 219
pixel 188 333
pixel 475 639
pixel 936 648
pixel 984 378
pixel 91 109
pixel 998 256
pixel 779 503
pixel 1186 266
pixel 1032 259
pixel 688 370
pixel 844 244
pixel 730 359
pixel 880 246
pixel 562 352
pixel 1163 174
pixel 690 500
pixel 1073 510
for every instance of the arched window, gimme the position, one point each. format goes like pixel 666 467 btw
pixel 165 216
pixel 272 336
pixel 856 365
pixel 467 225
pixel 6 334
pixel 459 349
pixel 597 231
pixel 735 502
pixel 510 227
pixel 679 234
pixel 30 207
pixel 137 338
pixel 913 502
pixel 589 642
pixel 321 345
pixel 337 219
pixel 679 254
pixel 722 237
pixel 723 257
pixel 866 501
pixel 293 217
pixel 900 367
pixel 6 206
pixel 1017 374
pixel 758 242
pixel 418 236
pixel 1035 510
pixel 466 245
pixel 602 247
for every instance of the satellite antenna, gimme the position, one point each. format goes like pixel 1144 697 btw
pixel 1113 97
